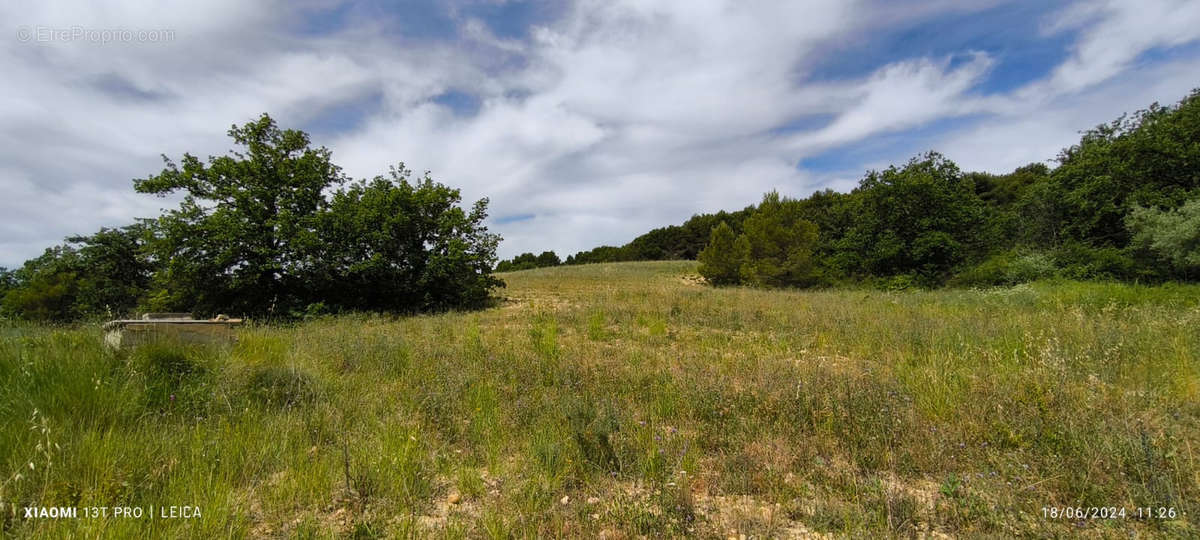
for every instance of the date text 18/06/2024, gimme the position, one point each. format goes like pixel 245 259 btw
pixel 1109 512
pixel 120 512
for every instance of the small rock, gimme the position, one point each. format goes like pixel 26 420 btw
pixel 593 500
pixel 454 498
pixel 565 500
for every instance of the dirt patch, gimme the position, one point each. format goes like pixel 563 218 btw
pixel 743 516
pixel 536 303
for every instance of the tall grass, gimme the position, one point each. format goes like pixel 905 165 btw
pixel 622 399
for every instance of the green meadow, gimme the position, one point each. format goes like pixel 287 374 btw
pixel 629 400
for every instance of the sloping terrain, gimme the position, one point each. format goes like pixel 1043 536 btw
pixel 627 400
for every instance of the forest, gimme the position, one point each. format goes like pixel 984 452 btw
pixel 1123 204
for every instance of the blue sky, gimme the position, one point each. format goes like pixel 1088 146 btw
pixel 584 122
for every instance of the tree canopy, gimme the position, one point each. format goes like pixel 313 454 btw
pixel 1118 205
pixel 273 229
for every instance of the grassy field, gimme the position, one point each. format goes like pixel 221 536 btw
pixel 627 400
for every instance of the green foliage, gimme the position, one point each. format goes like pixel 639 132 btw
pixel 114 270
pixel 281 386
pixel 778 245
pixel 1171 236
pixel 1084 210
pixel 45 287
pixel 1007 268
pixel 775 248
pixel 392 245
pixel 667 243
pixel 237 241
pixel 528 261
pixel 923 219
pixel 1031 267
pixel 721 261
pixel 548 258
pixel 1079 260
pixel 8 280
pixel 1149 158
pixel 256 234
pixel 103 274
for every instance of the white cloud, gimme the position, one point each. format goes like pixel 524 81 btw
pixel 1038 131
pixel 1113 34
pixel 901 95
pixel 618 117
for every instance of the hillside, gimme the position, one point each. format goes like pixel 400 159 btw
pixel 624 400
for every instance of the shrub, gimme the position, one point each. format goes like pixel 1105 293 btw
pixel 1171 236
pixel 1030 267
pixel 1007 268
pixel 990 272
pixel 1080 261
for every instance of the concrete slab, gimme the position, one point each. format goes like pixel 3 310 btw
pixel 132 332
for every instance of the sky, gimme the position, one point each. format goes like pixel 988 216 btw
pixel 583 122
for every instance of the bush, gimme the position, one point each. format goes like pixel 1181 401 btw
pixel 1079 261
pixel 1172 237
pixel 1007 268
pixel 1030 267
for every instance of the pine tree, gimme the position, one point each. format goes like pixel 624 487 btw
pixel 721 261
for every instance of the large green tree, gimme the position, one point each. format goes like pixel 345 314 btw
pixel 236 242
pixel 400 245
pixel 722 259
pixel 1148 159
pixel 779 244
pixel 923 219
pixel 256 233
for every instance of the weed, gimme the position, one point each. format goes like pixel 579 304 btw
pixel 280 386
pixel 681 410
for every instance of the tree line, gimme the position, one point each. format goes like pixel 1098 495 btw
pixel 528 261
pixel 1122 204
pixel 275 230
